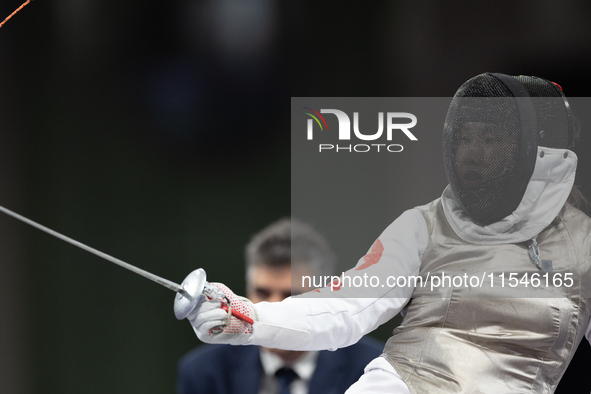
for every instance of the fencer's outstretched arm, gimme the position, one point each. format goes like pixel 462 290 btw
pixel 334 316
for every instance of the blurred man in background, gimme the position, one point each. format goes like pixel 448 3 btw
pixel 225 369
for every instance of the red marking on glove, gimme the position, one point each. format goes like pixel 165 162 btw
pixel 238 315
pixel 373 256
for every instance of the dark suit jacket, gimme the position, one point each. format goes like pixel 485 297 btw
pixel 226 369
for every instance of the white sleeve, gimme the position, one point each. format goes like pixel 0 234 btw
pixel 588 333
pixel 338 316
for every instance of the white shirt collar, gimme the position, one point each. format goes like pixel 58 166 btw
pixel 304 366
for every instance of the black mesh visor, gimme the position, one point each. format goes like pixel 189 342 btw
pixel 490 140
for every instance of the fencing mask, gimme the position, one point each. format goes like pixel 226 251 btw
pixel 493 128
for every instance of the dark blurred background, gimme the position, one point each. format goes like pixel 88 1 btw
pixel 158 132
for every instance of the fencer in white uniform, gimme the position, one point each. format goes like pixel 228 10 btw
pixel 504 220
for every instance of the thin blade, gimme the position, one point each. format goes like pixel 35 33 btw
pixel 17 10
pixel 161 281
